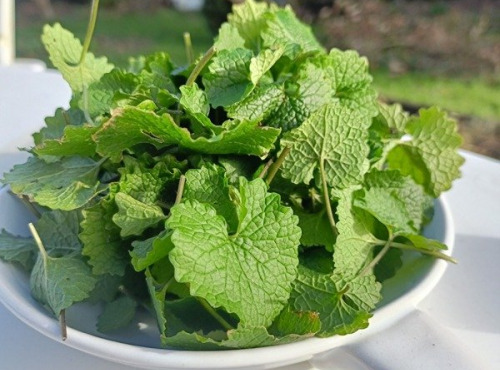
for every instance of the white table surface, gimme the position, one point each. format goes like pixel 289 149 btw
pixel 464 308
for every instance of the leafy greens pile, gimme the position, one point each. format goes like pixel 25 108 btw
pixel 257 196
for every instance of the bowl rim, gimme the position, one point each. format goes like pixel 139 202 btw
pixel 138 356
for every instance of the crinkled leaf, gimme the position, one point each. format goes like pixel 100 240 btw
pixel 355 241
pixel 335 136
pixel 350 80
pixel 320 293
pixel 396 201
pixel 75 141
pixel 101 94
pixel 65 52
pixel 59 232
pixel 264 247
pixel 133 216
pixel 60 282
pixel 284 29
pixel 149 251
pixel 259 105
pixel 54 126
pixel 131 126
pixel 263 62
pixel 101 240
pixel 296 322
pixel 228 77
pixel 391 120
pixel 146 184
pixel 316 229
pixel 249 21
pixel 67 184
pixel 229 38
pixel 430 157
pixel 195 103
pixel 117 314
pixel 210 185
pixel 17 249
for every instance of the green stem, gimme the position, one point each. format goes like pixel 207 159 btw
pixel 180 189
pixel 38 241
pixel 377 258
pixel 273 170
pixel 326 197
pixel 428 252
pixel 189 48
pixel 199 67
pixel 90 30
pixel 63 326
pixel 215 314
pixel 266 168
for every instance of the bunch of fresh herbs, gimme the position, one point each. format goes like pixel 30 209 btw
pixel 256 196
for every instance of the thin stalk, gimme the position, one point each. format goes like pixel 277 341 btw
pixel 90 30
pixel 180 189
pixel 63 326
pixel 189 48
pixel 326 198
pixel 38 241
pixel 215 314
pixel 199 67
pixel 266 168
pixel 428 252
pixel 377 258
pixel 273 170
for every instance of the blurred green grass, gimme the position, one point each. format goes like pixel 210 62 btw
pixel 120 35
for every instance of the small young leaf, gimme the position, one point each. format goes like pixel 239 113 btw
pixel 65 52
pixel 134 217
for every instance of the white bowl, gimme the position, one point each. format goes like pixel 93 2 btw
pixel 138 345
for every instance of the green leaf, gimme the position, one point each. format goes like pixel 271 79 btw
pixel 149 251
pixel 67 184
pixel 355 242
pixel 131 126
pixel 147 184
pixel 117 314
pixel 249 21
pixel 102 95
pixel 210 185
pixel 65 52
pixel 324 294
pixel 391 120
pixel 229 38
pixel 17 249
pixel 54 126
pixel 334 136
pixel 350 80
pixel 248 273
pixel 299 323
pixel 106 288
pixel 75 141
pixel 396 201
pixel 134 217
pixel 284 29
pixel 430 156
pixel 259 104
pixel 60 282
pixel 228 77
pixel 101 240
pixel 59 232
pixel 263 62
pixel 316 229
pixel 195 103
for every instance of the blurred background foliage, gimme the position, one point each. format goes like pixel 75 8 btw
pixel 421 52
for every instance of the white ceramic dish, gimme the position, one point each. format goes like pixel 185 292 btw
pixel 138 345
